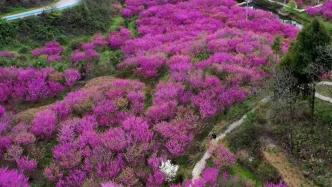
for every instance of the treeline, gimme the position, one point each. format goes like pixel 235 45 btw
pixel 301 124
pixel 89 17
pixel 6 5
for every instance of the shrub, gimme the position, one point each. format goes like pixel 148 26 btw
pixel 266 172
pixel 7 32
pixel 44 124
pixel 12 178
pixel 246 137
pixel 30 84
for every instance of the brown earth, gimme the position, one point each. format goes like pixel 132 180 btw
pixel 290 173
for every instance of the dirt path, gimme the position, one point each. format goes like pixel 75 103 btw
pixel 201 164
pixel 291 174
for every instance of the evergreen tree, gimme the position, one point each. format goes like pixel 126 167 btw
pixel 305 52
pixel 304 58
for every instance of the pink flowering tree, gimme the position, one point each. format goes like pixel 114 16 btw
pixel 51 50
pixel 32 84
pixel 12 178
pixel 325 10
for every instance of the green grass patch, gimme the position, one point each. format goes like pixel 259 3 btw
pixel 240 109
pixel 117 22
pixel 323 111
pixel 132 26
pixel 245 174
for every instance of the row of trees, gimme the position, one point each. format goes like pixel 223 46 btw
pixel 89 17
pixel 299 127
pixel 6 5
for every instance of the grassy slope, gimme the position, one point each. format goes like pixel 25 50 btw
pixel 313 138
pixel 246 175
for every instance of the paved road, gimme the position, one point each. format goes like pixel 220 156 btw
pixel 60 5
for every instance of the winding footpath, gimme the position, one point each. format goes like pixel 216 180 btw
pixel 201 164
pixel 322 97
pixel 325 83
pixel 60 5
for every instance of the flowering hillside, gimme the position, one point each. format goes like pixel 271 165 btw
pixel 192 60
pixel 190 38
pixel 324 11
pixel 30 84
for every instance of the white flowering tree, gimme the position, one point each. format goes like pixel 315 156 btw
pixel 169 170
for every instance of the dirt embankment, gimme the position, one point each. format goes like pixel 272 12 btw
pixel 290 173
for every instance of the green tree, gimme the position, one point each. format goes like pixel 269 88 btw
pixel 303 58
pixel 7 32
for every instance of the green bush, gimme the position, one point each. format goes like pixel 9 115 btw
pixel 202 56
pixel 245 137
pixel 104 66
pixel 23 49
pixel 89 17
pixel 76 43
pixel 39 63
pixel 117 22
pixel 115 57
pixel 267 173
pixel 7 32
pixel 6 62
pixel 132 26
pixel 60 66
